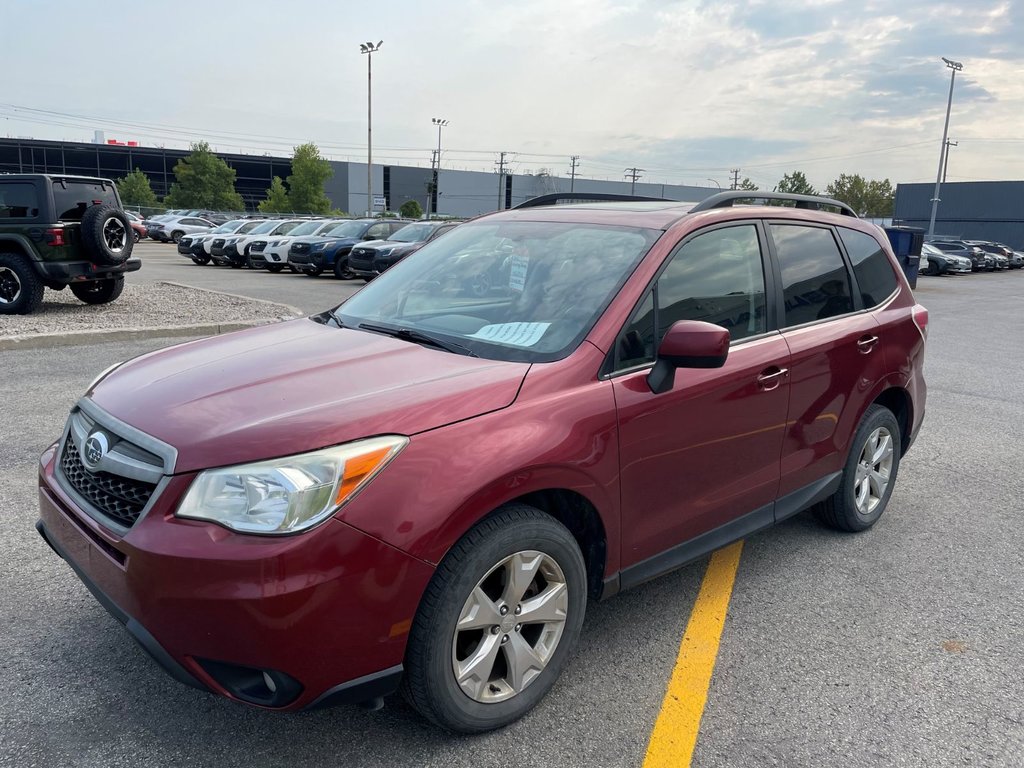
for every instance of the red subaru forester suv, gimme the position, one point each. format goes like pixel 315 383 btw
pixel 422 487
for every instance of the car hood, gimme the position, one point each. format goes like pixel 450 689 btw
pixel 297 386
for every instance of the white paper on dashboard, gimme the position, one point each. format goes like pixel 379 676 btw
pixel 517 334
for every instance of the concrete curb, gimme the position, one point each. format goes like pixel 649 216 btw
pixel 98 336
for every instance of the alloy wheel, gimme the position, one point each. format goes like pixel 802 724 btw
pixel 115 234
pixel 874 469
pixel 10 286
pixel 510 626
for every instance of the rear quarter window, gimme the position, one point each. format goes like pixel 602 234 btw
pixel 18 200
pixel 71 197
pixel 874 271
pixel 815 282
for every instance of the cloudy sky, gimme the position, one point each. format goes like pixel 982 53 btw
pixel 685 90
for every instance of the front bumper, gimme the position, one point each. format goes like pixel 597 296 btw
pixel 307 262
pixel 325 613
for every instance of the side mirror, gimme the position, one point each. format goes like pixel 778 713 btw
pixel 688 344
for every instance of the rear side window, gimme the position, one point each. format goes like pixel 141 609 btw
pixel 18 200
pixel 71 197
pixel 716 277
pixel 815 283
pixel 874 273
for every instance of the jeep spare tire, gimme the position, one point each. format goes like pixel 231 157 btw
pixel 106 235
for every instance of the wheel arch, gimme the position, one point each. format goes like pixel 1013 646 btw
pixel 898 400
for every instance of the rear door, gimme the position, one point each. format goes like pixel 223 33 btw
pixel 835 351
pixel 705 453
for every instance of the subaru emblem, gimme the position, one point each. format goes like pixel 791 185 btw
pixel 96 447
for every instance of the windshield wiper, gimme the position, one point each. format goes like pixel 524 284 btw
pixel 408 334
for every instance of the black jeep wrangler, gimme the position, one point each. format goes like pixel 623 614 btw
pixel 58 231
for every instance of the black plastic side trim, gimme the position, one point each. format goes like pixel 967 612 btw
pixel 137 631
pixel 696 548
pixel 362 689
pixel 802 498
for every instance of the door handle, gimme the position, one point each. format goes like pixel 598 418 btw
pixel 770 379
pixel 866 344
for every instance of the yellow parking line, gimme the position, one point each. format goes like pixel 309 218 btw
pixel 675 731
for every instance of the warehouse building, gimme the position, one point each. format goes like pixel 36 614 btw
pixel 460 193
pixel 974 210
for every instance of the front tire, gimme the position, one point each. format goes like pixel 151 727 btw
pixel 497 622
pixel 98 291
pixel 868 476
pixel 342 271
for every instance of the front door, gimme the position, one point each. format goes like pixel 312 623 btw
pixel 706 452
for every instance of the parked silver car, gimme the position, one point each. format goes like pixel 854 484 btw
pixel 172 229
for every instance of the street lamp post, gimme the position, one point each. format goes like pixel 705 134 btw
pixel 715 182
pixel 369 49
pixel 440 123
pixel 955 66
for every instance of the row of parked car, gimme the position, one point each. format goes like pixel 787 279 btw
pixel 346 248
pixel 949 255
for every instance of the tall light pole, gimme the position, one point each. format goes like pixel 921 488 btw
pixel 945 164
pixel 955 66
pixel 369 49
pixel 714 182
pixel 440 123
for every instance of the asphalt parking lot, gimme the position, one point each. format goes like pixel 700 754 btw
pixel 901 646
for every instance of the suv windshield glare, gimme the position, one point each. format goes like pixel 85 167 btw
pixel 347 229
pixel 264 227
pixel 226 228
pixel 525 291
pixel 306 228
pixel 413 233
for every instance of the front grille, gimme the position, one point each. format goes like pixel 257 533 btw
pixel 218 242
pixel 299 248
pixel 119 498
pixel 258 246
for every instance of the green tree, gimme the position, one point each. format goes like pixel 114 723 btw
pixel 204 181
pixel 134 189
pixel 277 198
pixel 748 185
pixel 868 197
pixel 411 209
pixel 796 183
pixel 306 184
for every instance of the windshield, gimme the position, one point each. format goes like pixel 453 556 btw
pixel 263 227
pixel 286 227
pixel 226 228
pixel 348 229
pixel 306 228
pixel 525 291
pixel 413 233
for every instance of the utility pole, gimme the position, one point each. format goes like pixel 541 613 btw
pixel 945 164
pixel 430 191
pixel 735 178
pixel 956 66
pixel 633 174
pixel 575 160
pixel 501 180
pixel 436 164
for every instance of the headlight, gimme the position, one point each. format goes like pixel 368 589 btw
pixel 384 252
pixel 318 246
pixel 274 243
pixel 289 494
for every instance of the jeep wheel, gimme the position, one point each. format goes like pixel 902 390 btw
pixel 342 271
pixel 98 291
pixel 105 235
pixel 497 622
pixel 21 292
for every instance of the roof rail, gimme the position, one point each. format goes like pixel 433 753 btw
pixel 581 197
pixel 813 202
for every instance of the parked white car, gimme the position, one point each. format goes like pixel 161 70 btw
pixel 234 249
pixel 172 229
pixel 198 247
pixel 271 252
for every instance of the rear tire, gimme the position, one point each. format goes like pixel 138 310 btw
pixel 868 476
pixel 21 290
pixel 342 270
pixel 176 236
pixel 475 660
pixel 98 291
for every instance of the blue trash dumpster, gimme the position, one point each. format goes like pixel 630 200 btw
pixel 906 244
